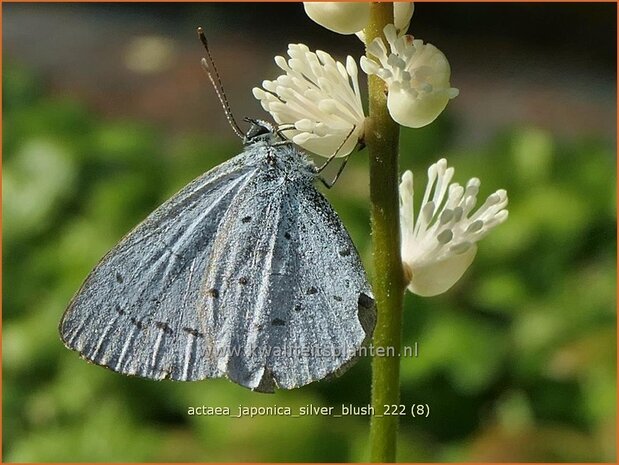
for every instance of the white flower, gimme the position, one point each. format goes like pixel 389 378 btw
pixel 353 17
pixel 340 17
pixel 440 246
pixel 319 97
pixel 417 77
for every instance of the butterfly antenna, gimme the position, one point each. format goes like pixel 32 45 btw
pixel 211 71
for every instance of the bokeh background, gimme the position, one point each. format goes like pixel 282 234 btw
pixel 106 113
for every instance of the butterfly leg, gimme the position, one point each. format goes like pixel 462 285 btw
pixel 332 157
pixel 330 184
pixel 284 127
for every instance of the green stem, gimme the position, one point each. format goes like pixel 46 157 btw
pixel 381 137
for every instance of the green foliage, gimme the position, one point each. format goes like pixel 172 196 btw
pixel 517 362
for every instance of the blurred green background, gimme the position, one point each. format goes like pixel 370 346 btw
pixel 106 114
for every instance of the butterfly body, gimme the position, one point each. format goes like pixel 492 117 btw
pixel 246 273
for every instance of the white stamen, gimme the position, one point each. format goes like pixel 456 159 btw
pixel 417 77
pixel 440 246
pixel 320 97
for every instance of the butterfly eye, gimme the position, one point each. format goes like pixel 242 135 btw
pixel 257 130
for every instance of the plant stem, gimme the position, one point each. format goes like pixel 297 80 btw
pixel 381 137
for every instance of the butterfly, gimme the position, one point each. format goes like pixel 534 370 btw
pixel 246 273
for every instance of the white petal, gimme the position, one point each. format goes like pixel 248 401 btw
pixel 402 14
pixel 369 66
pixel 340 17
pixel 407 212
pixel 436 277
pixel 415 111
pixel 326 146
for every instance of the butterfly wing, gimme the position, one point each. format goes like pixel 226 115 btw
pixel 333 311
pixel 243 274
pixel 135 313
pixel 289 302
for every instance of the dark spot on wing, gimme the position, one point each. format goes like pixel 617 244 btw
pixel 137 323
pixel 345 252
pixel 287 235
pixel 243 280
pixel 278 322
pixel 119 278
pixel 119 310
pixel 193 332
pixel 213 293
pixel 246 219
pixel 337 298
pixel 162 325
pixel 365 301
pixel 312 290
pixel 367 315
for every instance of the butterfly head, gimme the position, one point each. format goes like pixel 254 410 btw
pixel 260 130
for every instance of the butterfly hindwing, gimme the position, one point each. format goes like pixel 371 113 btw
pixel 330 308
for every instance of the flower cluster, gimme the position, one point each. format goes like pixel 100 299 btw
pixel 317 100
pixel 318 97
pixel 353 17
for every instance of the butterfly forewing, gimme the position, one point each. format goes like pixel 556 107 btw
pixel 132 308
